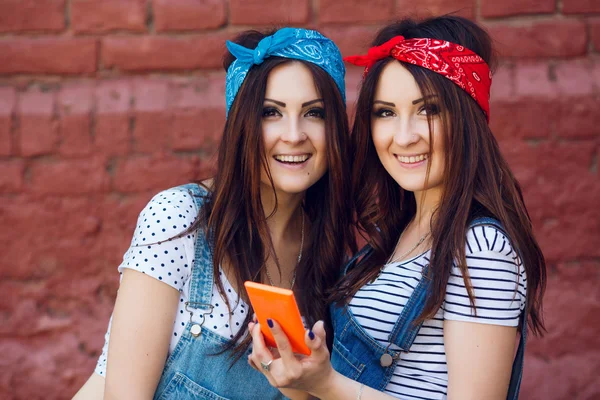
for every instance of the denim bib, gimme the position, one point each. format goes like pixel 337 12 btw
pixel 193 370
pixel 358 356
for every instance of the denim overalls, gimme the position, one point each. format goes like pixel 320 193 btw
pixel 192 371
pixel 358 356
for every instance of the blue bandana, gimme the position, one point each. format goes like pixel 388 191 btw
pixel 299 44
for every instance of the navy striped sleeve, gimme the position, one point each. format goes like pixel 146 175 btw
pixel 497 277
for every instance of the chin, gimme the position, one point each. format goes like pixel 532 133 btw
pixel 292 187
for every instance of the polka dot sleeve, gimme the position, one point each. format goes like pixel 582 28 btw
pixel 168 214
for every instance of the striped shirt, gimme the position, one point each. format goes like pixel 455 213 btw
pixel 499 285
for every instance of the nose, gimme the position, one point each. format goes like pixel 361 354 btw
pixel 293 134
pixel 406 132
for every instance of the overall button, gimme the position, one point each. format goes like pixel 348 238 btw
pixel 386 360
pixel 196 330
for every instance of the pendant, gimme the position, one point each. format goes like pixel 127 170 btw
pixel 386 360
pixel 196 330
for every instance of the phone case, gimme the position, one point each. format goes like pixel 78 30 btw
pixel 279 305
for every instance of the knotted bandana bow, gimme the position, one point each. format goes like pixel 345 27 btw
pixel 294 43
pixel 455 62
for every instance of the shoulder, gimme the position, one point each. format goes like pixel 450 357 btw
pixel 167 214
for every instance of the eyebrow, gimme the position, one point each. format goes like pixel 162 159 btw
pixel 424 98
pixel 386 103
pixel 282 104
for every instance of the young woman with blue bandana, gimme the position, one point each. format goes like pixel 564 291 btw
pixel 276 212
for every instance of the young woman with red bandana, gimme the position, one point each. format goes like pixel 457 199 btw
pixel 452 275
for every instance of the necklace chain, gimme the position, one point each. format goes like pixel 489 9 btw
pixel 297 262
pixel 403 255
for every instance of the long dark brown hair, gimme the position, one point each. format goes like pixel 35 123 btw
pixel 477 180
pixel 233 214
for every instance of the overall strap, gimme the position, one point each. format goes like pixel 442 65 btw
pixel 201 284
pixel 517 367
pixel 352 263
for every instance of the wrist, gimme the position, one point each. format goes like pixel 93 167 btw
pixel 328 387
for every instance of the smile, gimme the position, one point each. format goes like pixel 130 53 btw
pixel 412 159
pixel 292 159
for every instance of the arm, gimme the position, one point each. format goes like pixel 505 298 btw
pixel 140 335
pixel 479 358
pixel 93 389
pixel 480 346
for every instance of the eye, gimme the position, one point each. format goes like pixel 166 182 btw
pixel 429 109
pixel 270 112
pixel 316 112
pixel 383 113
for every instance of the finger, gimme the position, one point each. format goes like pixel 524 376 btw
pixel 282 341
pixel 260 352
pixel 252 363
pixel 316 340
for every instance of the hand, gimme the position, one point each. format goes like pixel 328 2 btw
pixel 289 370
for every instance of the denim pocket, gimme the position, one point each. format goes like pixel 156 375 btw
pixel 181 387
pixel 344 362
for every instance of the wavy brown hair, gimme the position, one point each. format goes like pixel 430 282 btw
pixel 233 214
pixel 477 179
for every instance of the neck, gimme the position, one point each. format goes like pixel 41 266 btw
pixel 280 221
pixel 427 201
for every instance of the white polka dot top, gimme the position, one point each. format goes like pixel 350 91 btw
pixel 166 215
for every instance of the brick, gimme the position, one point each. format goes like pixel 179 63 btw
pixel 69 177
pixel 38 128
pixel 11 176
pixel 341 11
pixel 137 174
pixel 75 104
pixel 39 56
pixel 529 118
pixel 263 12
pixel 427 8
pixel 102 16
pixel 533 79
pixel 579 117
pixel 351 39
pixel 153 119
pixel 595 32
pixel 507 8
pixel 186 135
pixel 163 53
pixel 111 133
pixel 199 105
pixel 574 77
pixel 7 108
pixel 502 84
pixel 540 39
pixel 32 15
pixel 580 6
pixel 188 15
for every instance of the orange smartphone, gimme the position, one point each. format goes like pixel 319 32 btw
pixel 279 305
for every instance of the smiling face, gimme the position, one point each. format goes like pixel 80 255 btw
pixel 400 130
pixel 293 128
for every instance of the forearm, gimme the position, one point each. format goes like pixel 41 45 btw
pixel 294 394
pixel 339 387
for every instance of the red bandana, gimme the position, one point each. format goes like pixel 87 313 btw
pixel 455 62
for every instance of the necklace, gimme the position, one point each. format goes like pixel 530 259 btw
pixel 403 255
pixel 297 262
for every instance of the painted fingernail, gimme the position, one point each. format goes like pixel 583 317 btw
pixel 250 351
pixel 311 335
pixel 270 322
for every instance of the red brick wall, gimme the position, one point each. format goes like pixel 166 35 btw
pixel 103 103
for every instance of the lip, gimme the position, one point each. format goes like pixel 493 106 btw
pixel 295 166
pixel 410 165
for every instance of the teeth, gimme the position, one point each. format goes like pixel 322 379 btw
pixel 292 159
pixel 412 159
